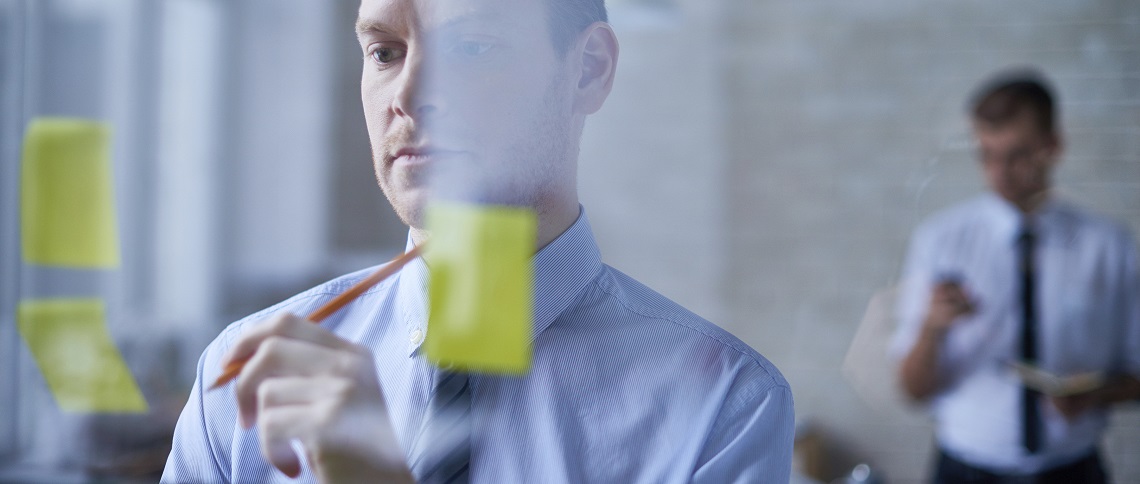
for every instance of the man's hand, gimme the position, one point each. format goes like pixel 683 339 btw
pixel 1072 406
pixel 948 302
pixel 919 373
pixel 303 383
pixel 1121 388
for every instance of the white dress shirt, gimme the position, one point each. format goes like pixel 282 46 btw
pixel 1088 319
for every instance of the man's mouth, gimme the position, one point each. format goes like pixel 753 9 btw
pixel 410 156
pixel 417 156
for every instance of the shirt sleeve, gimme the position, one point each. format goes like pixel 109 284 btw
pixel 755 443
pixel 915 284
pixel 204 429
pixel 1130 304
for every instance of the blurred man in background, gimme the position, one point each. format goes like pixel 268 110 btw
pixel 1019 276
pixel 625 386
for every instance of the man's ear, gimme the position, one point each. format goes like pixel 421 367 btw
pixel 1058 144
pixel 598 64
pixel 1056 147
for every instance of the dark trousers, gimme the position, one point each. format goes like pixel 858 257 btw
pixel 1087 470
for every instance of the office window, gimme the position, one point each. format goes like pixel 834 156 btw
pixel 241 176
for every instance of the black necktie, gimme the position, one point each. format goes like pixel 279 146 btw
pixel 1030 413
pixel 442 451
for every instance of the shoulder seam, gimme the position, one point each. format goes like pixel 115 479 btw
pixel 643 311
pixel 319 291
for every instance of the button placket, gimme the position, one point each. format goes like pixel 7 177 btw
pixel 415 338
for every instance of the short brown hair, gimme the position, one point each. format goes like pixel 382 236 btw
pixel 568 18
pixel 1011 94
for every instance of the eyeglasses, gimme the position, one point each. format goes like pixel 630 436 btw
pixel 1017 156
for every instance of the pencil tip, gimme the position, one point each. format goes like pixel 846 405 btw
pixel 221 381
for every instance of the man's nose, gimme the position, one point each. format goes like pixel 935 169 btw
pixel 1007 168
pixel 415 98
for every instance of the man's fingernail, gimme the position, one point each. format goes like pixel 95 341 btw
pixel 226 358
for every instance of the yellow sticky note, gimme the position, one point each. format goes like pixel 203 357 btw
pixel 66 199
pixel 481 291
pixel 75 354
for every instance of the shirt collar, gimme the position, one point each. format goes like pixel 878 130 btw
pixel 1009 221
pixel 562 270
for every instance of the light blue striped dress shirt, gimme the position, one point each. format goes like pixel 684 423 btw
pixel 626 386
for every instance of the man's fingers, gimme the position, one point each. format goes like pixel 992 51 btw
pixel 951 294
pixel 281 324
pixel 1064 406
pixel 949 290
pixel 292 411
pixel 284 357
pixel 948 302
pixel 286 391
pixel 251 337
pixel 1072 406
pixel 277 428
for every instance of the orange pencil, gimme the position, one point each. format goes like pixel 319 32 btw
pixel 234 368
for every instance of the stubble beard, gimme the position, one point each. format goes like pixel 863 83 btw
pixel 405 191
pixel 539 170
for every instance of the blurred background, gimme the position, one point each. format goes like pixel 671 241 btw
pixel 762 162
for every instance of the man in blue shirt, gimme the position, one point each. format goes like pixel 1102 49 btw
pixel 625 385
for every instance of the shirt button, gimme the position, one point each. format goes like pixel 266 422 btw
pixel 416 337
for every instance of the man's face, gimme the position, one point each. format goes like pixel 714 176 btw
pixel 1017 159
pixel 471 92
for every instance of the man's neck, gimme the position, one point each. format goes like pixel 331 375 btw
pixel 1032 204
pixel 553 220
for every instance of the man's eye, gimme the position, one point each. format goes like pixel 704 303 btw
pixel 471 49
pixel 387 55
